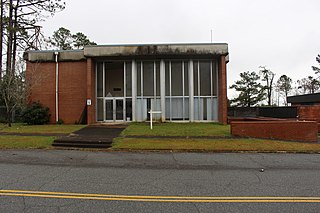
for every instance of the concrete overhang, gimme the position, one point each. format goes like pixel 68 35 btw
pixel 49 56
pixel 156 50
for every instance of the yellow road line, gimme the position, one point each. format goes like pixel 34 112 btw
pixel 176 199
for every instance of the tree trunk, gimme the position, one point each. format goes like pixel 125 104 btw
pixel 10 38
pixel 14 38
pixel 1 36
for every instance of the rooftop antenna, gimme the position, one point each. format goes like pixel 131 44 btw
pixel 211 35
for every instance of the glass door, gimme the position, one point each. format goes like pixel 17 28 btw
pixel 114 109
pixel 109 109
pixel 118 109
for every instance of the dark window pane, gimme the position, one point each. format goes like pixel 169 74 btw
pixel 167 77
pixel 128 79
pixel 139 78
pixel 195 78
pixel 148 78
pixel 99 79
pixel 176 78
pixel 114 79
pixel 186 79
pixel 205 78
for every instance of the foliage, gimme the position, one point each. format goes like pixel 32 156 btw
pixel 12 89
pixel 63 39
pixel 36 113
pixel 284 85
pixel 317 69
pixel 251 92
pixel 268 77
pixel 309 85
pixel 60 121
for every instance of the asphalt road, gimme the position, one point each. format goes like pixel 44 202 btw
pixel 77 181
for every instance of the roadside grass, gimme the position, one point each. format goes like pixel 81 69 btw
pixel 48 128
pixel 25 142
pixel 217 145
pixel 177 129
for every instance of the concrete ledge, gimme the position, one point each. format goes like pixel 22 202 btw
pixel 306 131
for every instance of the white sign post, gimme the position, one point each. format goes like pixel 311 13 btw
pixel 151 113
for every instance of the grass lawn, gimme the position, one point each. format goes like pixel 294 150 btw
pixel 53 128
pixel 218 145
pixel 25 142
pixel 177 129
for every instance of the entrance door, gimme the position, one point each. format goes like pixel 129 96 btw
pixel 114 109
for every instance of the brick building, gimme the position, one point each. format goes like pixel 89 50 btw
pixel 122 83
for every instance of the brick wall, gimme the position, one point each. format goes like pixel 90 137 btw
pixel 310 113
pixel 72 88
pixel 222 91
pixel 282 130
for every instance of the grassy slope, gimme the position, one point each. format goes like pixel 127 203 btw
pixel 214 145
pixel 25 142
pixel 177 129
pixel 23 128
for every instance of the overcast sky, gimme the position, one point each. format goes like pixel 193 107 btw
pixel 282 35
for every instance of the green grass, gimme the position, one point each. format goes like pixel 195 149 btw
pixel 53 128
pixel 177 129
pixel 218 145
pixel 25 142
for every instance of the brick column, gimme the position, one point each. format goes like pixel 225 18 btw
pixel 91 112
pixel 222 91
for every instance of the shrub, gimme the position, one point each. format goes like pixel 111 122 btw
pixel 36 113
pixel 60 121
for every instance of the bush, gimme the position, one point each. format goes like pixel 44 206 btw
pixel 36 113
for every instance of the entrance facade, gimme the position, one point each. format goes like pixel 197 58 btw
pixel 122 83
pixel 182 90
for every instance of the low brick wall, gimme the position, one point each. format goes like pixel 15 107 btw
pixel 283 130
pixel 310 113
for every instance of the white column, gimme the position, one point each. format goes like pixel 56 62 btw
pixel 134 88
pixel 191 100
pixel 163 90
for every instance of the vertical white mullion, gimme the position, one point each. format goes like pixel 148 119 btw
pixel 211 87
pixel 170 92
pixel 191 90
pixel 183 107
pixel 124 89
pixel 199 99
pixel 154 81
pixel 163 90
pixel 134 88
pixel 103 92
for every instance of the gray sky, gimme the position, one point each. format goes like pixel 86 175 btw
pixel 280 34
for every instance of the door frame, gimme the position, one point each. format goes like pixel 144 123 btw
pixel 114 109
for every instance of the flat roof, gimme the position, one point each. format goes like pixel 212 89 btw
pixel 308 98
pixel 131 50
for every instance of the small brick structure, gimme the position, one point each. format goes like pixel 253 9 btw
pixel 310 113
pixel 306 131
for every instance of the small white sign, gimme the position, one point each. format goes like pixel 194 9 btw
pixel 88 102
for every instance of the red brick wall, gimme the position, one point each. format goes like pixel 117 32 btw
pixel 72 88
pixel 41 80
pixel 282 130
pixel 222 96
pixel 310 113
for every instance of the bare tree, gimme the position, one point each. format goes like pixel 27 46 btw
pixel 268 77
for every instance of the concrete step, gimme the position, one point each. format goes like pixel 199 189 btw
pixel 82 145
pixel 83 142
